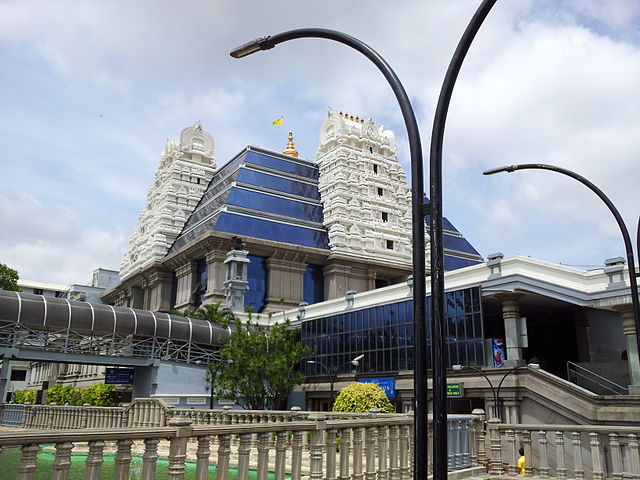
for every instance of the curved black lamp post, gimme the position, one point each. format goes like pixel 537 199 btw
pixel 495 392
pixel 418 238
pixel 439 347
pixel 623 228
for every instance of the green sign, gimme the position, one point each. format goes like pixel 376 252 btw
pixel 455 390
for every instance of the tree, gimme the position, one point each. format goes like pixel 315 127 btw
pixel 362 397
pixel 258 368
pixel 9 278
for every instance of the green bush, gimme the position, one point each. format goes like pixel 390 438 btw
pixel 23 396
pixel 362 397
pixel 98 395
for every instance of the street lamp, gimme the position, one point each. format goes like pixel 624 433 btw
pixel 439 347
pixel 418 209
pixel 333 374
pixel 635 301
pixel 494 391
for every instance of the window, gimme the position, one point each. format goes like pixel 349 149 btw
pixel 38 291
pixel 18 375
pixel 375 168
pixel 385 217
pixel 60 294
pixel 380 191
pixel 389 244
pixel 370 149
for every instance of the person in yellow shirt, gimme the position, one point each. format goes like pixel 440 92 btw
pixel 521 462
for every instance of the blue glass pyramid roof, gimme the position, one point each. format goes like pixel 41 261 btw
pixel 261 194
pixel 268 195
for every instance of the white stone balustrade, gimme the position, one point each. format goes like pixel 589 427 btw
pixel 589 452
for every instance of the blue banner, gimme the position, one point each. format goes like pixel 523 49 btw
pixel 388 384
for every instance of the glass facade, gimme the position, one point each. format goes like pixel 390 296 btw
pixel 313 284
pixel 384 334
pixel 256 297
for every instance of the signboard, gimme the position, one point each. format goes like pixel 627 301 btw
pixel 388 384
pixel 455 390
pixel 119 376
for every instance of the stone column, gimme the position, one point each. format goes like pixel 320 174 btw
pixel 511 317
pixel 285 282
pixel 185 274
pixel 4 378
pixel 215 276
pixel 336 280
pixel 159 286
pixel 629 328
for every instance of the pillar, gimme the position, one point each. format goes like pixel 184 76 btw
pixel 285 282
pixel 4 378
pixel 511 318
pixel 629 328
pixel 216 271
pixel 185 275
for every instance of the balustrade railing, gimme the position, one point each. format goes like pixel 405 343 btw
pixel 582 452
pixel 372 448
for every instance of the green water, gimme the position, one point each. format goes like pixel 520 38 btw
pixel 10 459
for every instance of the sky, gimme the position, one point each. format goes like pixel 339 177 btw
pixel 91 90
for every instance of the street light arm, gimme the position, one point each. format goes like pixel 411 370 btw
pixel 438 349
pixel 421 427
pixel 631 263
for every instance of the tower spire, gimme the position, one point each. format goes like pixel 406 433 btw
pixel 290 150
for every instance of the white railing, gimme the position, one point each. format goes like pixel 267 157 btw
pixel 582 452
pixel 372 449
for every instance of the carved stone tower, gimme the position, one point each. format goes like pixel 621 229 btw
pixel 236 283
pixel 367 203
pixel 182 177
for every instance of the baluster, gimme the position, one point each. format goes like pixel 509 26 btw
pixel 616 456
pixel 370 441
pixel 544 460
pixel 224 451
pixel 244 450
pixel 149 458
pixel 27 467
pixel 528 453
pixel 316 454
pixel 405 437
pixel 561 471
pixel 634 455
pixel 281 454
pixel 394 464
pixel 345 445
pixel 383 452
pixel 357 454
pixel 331 454
pixel 496 446
pixel 62 461
pixel 513 449
pixel 123 459
pixel 296 455
pixel 178 447
pixel 94 460
pixel 263 455
pixel 202 457
pixel 578 471
pixel 596 457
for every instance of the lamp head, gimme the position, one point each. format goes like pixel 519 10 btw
pixel 310 361
pixel 253 46
pixel 457 367
pixel 535 366
pixel 356 361
pixel 507 168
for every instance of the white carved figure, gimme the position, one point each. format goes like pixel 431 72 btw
pixel 185 169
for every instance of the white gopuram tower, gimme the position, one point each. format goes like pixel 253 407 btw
pixel 182 177
pixel 363 188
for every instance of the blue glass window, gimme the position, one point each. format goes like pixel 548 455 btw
pixel 257 276
pixel 313 284
pixel 278 183
pixel 287 166
pixel 272 204
pixel 202 276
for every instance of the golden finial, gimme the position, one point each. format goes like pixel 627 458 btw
pixel 290 150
